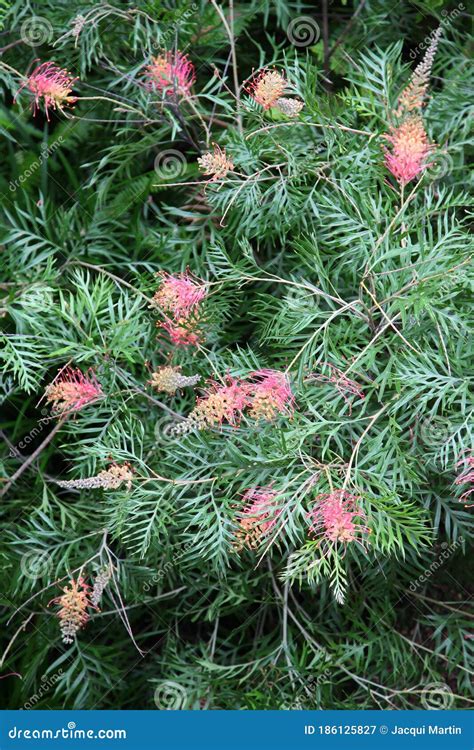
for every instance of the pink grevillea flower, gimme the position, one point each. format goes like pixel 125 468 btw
pixel 267 87
pixel 215 163
pixel 259 516
pixel 171 73
pixel 271 395
pixel 410 150
pixel 333 518
pixel 182 332
pixel 466 477
pixel 179 296
pixel 52 85
pixel 71 390
pixel 73 608
pixel 222 403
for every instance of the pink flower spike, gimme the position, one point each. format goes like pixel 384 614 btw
pixel 267 87
pixel 171 73
pixel 258 518
pixel 466 477
pixel 271 395
pixel 333 517
pixel 71 390
pixel 179 295
pixel 51 84
pixel 182 332
pixel 410 149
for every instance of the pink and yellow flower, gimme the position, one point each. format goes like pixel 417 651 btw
pixel 71 390
pixel 333 518
pixel 73 603
pixel 267 87
pixel 52 85
pixel 215 163
pixel 258 517
pixel 410 149
pixel 171 73
pixel 179 295
pixel 271 395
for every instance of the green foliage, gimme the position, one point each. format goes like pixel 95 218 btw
pixel 316 263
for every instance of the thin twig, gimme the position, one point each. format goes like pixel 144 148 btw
pixel 33 456
pixel 230 33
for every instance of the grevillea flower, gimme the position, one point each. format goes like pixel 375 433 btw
pixel 333 518
pixel 466 477
pixel 101 581
pixel 258 517
pixel 215 164
pixel 182 332
pixel 271 395
pixel 52 85
pixel 73 603
pixel 222 402
pixel 410 150
pixel 178 296
pixel 289 107
pixel 412 97
pixel 71 390
pixel 267 87
pixel 108 479
pixel 169 380
pixel 178 299
pixel 171 73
